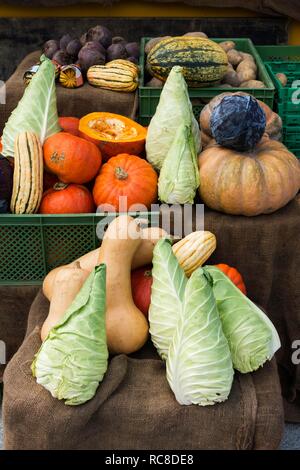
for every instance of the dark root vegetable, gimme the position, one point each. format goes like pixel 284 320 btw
pixel 90 56
pixel 133 49
pixel 116 51
pixel 101 34
pixel 64 41
pixel 95 45
pixel 62 57
pixel 118 40
pixel 73 48
pixel 6 184
pixel 83 39
pixel 134 60
pixel 50 47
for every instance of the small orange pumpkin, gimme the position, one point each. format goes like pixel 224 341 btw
pixel 113 133
pixel 71 158
pixel 67 199
pixel 234 276
pixel 128 176
pixel 69 124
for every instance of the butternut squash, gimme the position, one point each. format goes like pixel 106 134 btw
pixel 66 285
pixel 126 326
pixel 142 257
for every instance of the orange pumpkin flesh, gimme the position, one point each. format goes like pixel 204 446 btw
pixel 67 199
pixel 248 183
pixel 71 158
pixel 69 124
pixel 125 175
pixel 113 133
pixel 234 276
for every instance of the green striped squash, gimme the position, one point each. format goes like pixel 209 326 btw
pixel 203 61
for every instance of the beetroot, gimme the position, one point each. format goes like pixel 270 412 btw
pixel 90 56
pixel 101 34
pixel 6 184
pixel 133 49
pixel 118 40
pixel 95 45
pixel 73 48
pixel 116 51
pixel 50 47
pixel 83 39
pixel 64 41
pixel 62 57
pixel 133 59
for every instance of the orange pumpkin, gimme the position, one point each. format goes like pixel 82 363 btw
pixel 67 199
pixel 69 124
pixel 113 133
pixel 234 276
pixel 273 120
pixel 0 144
pixel 128 176
pixel 248 183
pixel 72 159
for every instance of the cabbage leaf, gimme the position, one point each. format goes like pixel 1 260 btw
pixel 174 108
pixel 199 365
pixel 252 337
pixel 167 293
pixel 36 111
pixel 179 176
pixel 72 361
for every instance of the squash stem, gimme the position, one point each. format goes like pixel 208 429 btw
pixel 121 173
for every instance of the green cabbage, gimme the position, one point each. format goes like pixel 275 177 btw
pixel 167 293
pixel 252 337
pixel 174 109
pixel 179 176
pixel 199 365
pixel 36 111
pixel 72 361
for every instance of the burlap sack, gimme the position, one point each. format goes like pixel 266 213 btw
pixel 70 102
pixel 15 304
pixel 134 407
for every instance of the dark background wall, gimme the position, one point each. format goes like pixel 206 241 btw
pixel 19 36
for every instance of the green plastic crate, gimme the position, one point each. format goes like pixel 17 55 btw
pixel 149 97
pixel 32 245
pixel 279 53
pixel 286 107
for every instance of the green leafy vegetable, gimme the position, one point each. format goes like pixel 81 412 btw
pixel 179 176
pixel 167 293
pixel 36 111
pixel 73 359
pixel 199 365
pixel 174 109
pixel 252 337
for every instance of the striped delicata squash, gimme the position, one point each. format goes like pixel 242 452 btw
pixel 193 250
pixel 117 75
pixel 28 174
pixel 203 61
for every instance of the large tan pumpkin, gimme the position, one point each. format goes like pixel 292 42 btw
pixel 248 183
pixel 273 120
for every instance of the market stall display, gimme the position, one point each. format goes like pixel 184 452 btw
pixel 97 158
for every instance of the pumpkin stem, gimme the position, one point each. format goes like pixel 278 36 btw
pixel 121 173
pixel 59 186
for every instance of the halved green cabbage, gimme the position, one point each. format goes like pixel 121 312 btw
pixel 199 365
pixel 179 176
pixel 73 359
pixel 36 111
pixel 252 337
pixel 174 109
pixel 167 293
